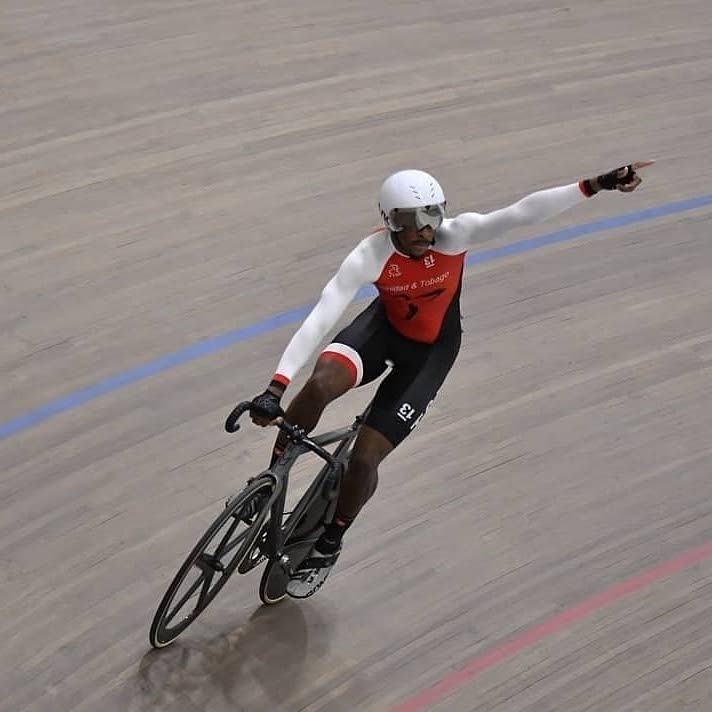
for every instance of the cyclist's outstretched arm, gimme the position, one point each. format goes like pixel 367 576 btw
pixel 471 228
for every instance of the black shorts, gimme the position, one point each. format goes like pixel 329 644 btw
pixel 370 343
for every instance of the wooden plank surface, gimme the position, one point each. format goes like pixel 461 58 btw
pixel 174 171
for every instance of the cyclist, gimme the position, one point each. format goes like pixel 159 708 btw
pixel 415 262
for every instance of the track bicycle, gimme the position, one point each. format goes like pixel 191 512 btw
pixel 254 528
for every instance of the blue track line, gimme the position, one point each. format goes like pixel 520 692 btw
pixel 209 346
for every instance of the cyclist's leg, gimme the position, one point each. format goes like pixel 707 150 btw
pixel 357 486
pixel 400 404
pixel 361 477
pixel 354 358
pixel 329 380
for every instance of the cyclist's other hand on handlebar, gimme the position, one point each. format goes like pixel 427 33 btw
pixel 265 408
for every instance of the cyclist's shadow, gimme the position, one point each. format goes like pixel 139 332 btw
pixel 256 663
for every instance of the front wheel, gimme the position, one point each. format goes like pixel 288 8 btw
pixel 212 561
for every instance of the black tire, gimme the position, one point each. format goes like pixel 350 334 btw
pixel 255 556
pixel 273 584
pixel 275 577
pixel 209 563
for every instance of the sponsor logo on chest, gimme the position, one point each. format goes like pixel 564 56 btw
pixel 394 271
pixel 403 276
pixel 413 283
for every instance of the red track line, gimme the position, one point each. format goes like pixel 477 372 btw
pixel 474 667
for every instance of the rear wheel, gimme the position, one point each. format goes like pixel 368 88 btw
pixel 255 555
pixel 212 561
pixel 275 577
pixel 273 585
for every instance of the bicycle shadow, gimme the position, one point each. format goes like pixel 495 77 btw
pixel 255 666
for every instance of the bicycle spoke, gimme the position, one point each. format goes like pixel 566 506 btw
pixel 226 538
pixel 233 544
pixel 205 590
pixel 186 597
pixel 224 547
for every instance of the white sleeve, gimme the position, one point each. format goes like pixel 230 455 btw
pixel 468 229
pixel 357 270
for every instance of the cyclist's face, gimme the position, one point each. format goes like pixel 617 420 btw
pixel 415 243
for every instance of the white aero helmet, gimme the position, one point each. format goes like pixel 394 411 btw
pixel 411 199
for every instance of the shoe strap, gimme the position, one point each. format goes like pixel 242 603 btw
pixel 318 562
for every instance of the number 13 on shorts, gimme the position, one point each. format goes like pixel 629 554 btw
pixel 407 414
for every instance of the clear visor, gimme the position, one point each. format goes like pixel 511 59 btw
pixel 418 218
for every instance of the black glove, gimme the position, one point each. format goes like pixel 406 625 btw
pixel 266 405
pixel 613 180
pixel 621 176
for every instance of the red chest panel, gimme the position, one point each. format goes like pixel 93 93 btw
pixel 417 293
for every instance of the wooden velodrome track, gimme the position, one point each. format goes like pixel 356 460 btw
pixel 172 172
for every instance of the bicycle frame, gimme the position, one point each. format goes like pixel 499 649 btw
pixel 277 532
pixel 274 539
